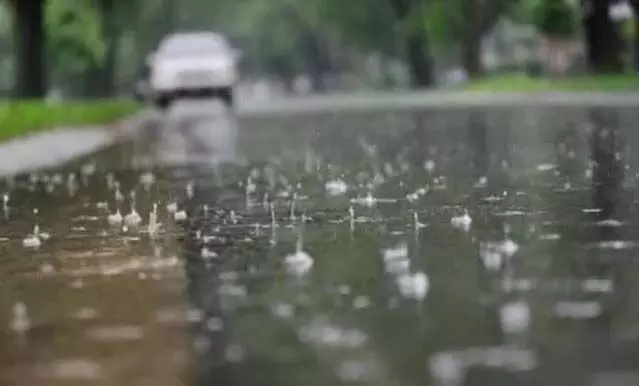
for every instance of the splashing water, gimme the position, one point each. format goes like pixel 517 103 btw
pixel 20 322
pixel 462 222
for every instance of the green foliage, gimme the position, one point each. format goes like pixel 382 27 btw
pixel 5 19
pixel 75 41
pixel 522 83
pixel 554 17
pixel 367 24
pixel 445 22
pixel 22 118
pixel 270 32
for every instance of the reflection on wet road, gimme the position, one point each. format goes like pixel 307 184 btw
pixel 442 247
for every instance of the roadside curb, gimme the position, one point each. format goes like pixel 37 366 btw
pixel 421 100
pixel 64 144
pixel 136 124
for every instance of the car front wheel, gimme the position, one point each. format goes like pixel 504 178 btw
pixel 163 101
pixel 226 94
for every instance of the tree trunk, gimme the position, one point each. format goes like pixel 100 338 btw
pixel 315 60
pixel 106 73
pixel 472 56
pixel 420 63
pixel 29 30
pixel 635 61
pixel 603 43
pixel 471 45
pixel 635 9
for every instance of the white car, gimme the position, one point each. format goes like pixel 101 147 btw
pixel 192 64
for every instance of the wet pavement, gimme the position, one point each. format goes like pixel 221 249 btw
pixel 448 246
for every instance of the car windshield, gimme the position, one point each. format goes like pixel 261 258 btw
pixel 192 45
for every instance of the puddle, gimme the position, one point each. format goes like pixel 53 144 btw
pixel 365 248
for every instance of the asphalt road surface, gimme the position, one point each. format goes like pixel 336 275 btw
pixel 481 245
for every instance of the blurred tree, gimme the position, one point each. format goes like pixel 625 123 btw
pixel 29 32
pixel 635 8
pixel 554 18
pixel 603 41
pixel 367 24
pixel 270 39
pixel 411 16
pixel 101 78
pixel 7 78
pixel 463 24
pixel 285 38
pixel 557 21
pixel 478 17
pixel 75 43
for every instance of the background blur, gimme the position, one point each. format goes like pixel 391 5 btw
pixel 96 48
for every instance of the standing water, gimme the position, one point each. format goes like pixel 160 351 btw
pixel 441 247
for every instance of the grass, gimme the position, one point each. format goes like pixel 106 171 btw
pixel 523 83
pixel 26 117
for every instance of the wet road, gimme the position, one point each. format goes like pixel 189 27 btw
pixel 449 246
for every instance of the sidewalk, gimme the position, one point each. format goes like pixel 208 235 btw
pixel 398 101
pixel 51 148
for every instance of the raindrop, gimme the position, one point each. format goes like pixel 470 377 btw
pixel 546 167
pixel 153 221
pixel 234 353
pixel 282 310
pixel 118 194
pixel 351 218
pixel 462 222
pixel 189 190
pixel 429 166
pixel 361 302
pixel 180 216
pixel 47 268
pixel 447 369
pixel 490 256
pixel 172 207
pixel 578 310
pixel 514 317
pixel 508 247
pixel 115 219
pixel 298 263
pixel 368 201
pixel 482 182
pixel 88 169
pixel 86 313
pixel 413 286
pixel 147 179
pixel 20 322
pixel 133 219
pixel 598 285
pixel 77 284
pixel 336 187
pixel 207 254
pixel 32 240
pixel 215 324
pixel 75 369
pixel 194 315
pixel 416 223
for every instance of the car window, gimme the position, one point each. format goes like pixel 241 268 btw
pixel 192 45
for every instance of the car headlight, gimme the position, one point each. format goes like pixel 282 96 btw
pixel 162 77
